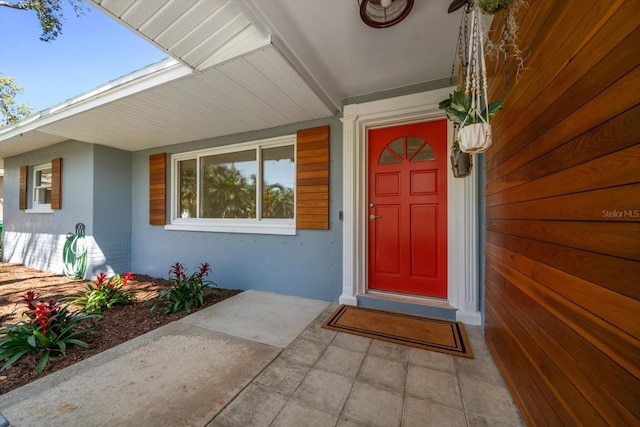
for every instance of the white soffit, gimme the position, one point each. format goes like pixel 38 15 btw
pixel 199 33
pixel 235 81
pixel 257 91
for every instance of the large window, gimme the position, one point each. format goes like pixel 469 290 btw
pixel 247 187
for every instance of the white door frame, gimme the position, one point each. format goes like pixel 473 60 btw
pixel 462 201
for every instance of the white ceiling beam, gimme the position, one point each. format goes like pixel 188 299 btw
pixel 322 85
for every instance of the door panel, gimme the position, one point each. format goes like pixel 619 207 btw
pixel 408 209
pixel 424 244
pixel 423 182
pixel 388 184
pixel 388 234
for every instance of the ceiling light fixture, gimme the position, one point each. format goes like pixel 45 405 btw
pixel 384 13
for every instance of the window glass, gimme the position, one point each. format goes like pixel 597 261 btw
pixel 188 188
pixel 386 158
pixel 398 147
pixel 43 178
pixel 228 185
pixel 425 153
pixel 413 144
pixel 42 186
pixel 416 151
pixel 278 182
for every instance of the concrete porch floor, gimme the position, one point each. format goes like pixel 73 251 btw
pixel 327 378
pixel 262 359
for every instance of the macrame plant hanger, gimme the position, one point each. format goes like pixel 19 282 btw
pixel 461 163
pixel 475 131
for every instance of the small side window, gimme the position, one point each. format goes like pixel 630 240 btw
pixel 42 179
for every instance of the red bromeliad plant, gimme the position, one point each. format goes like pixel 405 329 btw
pixel 40 312
pixel 105 293
pixel 177 271
pixel 49 330
pixel 44 314
pixel 187 291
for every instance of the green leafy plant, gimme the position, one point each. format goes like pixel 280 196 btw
pixel 458 106
pixel 49 330
pixel 186 291
pixel 104 293
pixel 491 7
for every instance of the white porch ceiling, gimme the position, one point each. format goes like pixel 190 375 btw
pixel 348 58
pixel 243 65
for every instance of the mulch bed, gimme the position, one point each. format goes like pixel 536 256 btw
pixel 117 325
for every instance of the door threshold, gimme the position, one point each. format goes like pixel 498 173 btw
pixel 411 299
pixel 409 304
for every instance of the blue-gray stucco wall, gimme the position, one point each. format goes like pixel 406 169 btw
pixel 112 208
pixel 77 190
pixel 36 239
pixel 308 264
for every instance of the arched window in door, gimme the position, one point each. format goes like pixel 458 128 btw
pixel 406 148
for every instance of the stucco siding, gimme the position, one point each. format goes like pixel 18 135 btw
pixel 1 197
pixel 308 264
pixel 112 210
pixel 95 183
pixel 36 239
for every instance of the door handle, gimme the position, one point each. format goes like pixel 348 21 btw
pixel 372 217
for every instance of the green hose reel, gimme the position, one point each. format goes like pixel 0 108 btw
pixel 74 254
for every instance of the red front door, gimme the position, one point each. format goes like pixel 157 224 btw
pixel 407 209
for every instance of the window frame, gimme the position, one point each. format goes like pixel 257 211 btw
pixel 36 206
pixel 256 225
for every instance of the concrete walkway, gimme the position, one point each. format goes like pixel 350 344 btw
pixel 261 359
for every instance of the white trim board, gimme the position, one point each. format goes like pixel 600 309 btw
pixel 462 204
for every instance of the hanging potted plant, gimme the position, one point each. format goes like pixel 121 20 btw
pixel 491 7
pixel 462 114
pixel 470 109
pixel 461 163
pixel 505 45
pixel 471 123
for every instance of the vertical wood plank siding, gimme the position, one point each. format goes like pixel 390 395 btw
pixel 158 189
pixel 563 216
pixel 56 183
pixel 23 203
pixel 312 179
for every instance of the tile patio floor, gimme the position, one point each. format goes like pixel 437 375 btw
pixel 326 378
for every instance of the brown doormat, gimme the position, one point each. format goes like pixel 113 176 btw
pixel 444 336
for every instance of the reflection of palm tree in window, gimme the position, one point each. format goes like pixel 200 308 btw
pixel 226 193
pixel 277 201
pixel 188 192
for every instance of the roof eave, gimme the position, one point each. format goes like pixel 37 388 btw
pixel 155 74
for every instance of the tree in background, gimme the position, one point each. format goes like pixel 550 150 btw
pixel 277 201
pixel 227 193
pixel 9 111
pixel 49 14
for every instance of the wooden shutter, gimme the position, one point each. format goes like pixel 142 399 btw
pixel 158 189
pixel 312 179
pixel 24 187
pixel 56 183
